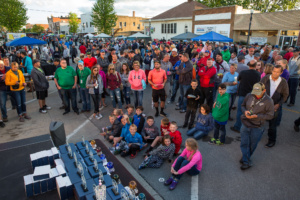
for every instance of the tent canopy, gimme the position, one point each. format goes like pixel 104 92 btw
pixel 25 41
pixel 88 35
pixel 213 36
pixel 184 36
pixel 102 35
pixel 138 35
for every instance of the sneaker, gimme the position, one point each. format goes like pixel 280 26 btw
pixel 169 102
pixel 182 111
pixel 133 155
pixel 177 108
pixel 26 117
pixel 21 119
pixel 173 185
pixel 163 114
pixel 218 142
pixel 177 104
pixel 234 129
pixel 99 116
pixel 42 110
pixel 100 108
pixel 245 166
pixel 5 120
pixel 142 167
pixel 290 105
pixel 62 107
pixel 156 114
pixel 184 125
pixel 47 107
pixel 169 181
pixel 296 128
pixel 2 125
pixel 212 141
pixel 270 144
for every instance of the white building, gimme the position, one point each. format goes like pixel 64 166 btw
pixel 173 22
pixel 86 24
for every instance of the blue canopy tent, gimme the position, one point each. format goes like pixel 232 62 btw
pixel 213 36
pixel 25 41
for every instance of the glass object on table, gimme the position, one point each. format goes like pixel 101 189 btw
pixel 115 188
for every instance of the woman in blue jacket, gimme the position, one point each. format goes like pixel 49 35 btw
pixel 204 123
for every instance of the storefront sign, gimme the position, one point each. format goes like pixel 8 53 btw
pixel 258 40
pixel 223 29
pixel 12 36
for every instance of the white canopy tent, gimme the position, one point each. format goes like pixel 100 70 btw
pixel 102 35
pixel 138 35
pixel 88 35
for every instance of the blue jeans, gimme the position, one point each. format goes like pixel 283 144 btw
pixel 293 85
pixel 217 129
pixel 3 99
pixel 116 93
pixel 249 140
pixel 181 162
pixel 232 100
pixel 138 98
pixel 197 134
pixel 174 90
pixel 20 97
pixel 86 99
pixel 183 102
pixel 239 113
pixel 69 94
pixel 126 94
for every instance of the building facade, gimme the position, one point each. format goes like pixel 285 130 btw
pixel 45 26
pixel 56 23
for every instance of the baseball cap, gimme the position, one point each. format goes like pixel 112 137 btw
pixel 206 51
pixel 80 62
pixel 102 51
pixel 258 88
pixel 256 55
pixel 225 47
pixel 174 49
pixel 276 46
pixel 88 53
pixel 296 50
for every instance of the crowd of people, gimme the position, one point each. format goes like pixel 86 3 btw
pixel 209 76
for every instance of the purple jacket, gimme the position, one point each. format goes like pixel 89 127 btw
pixel 285 74
pixel 102 74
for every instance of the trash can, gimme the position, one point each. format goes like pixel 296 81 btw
pixel 58 134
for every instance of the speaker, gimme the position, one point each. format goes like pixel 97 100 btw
pixel 58 134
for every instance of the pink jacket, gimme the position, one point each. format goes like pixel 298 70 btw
pixel 135 79
pixel 196 160
pixel 102 74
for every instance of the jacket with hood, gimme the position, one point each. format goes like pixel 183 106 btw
pixel 206 74
pixel 205 123
pixel 39 80
pixel 203 61
pixel 220 111
pixel 116 128
pixel 151 131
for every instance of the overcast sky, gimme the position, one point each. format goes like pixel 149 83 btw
pixel 38 11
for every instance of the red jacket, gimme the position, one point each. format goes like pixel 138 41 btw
pixel 177 140
pixel 113 81
pixel 161 129
pixel 203 61
pixel 288 56
pixel 90 62
pixel 205 74
pixel 82 49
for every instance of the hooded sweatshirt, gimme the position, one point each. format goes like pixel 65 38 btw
pixel 176 139
pixel 135 79
pixel 205 122
pixel 151 131
pixel 221 110
pixel 203 61
pixel 116 128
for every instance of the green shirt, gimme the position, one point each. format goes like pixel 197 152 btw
pixel 65 77
pixel 82 76
pixel 221 111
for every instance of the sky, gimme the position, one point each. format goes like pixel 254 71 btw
pixel 38 11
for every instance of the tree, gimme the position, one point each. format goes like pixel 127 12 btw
pixel 104 16
pixel 37 29
pixel 12 14
pixel 261 5
pixel 73 22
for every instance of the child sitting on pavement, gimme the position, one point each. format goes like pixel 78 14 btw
pixel 129 112
pixel 125 129
pixel 175 136
pixel 114 130
pixel 150 131
pixel 205 123
pixel 134 141
pixel 138 119
pixel 162 152
pixel 118 113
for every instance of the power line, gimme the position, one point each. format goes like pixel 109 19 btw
pixel 46 11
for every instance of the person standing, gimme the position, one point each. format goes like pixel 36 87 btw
pixel 157 78
pixel 82 48
pixel 15 79
pixel 222 68
pixel 136 77
pixel 126 85
pixel 41 85
pixel 89 61
pixel 116 63
pixel 103 61
pixel 241 66
pixel 26 63
pixel 247 79
pixel 167 66
pixel 257 107
pixel 113 81
pixel 82 74
pixel 73 52
pixel 277 89
pixel 249 56
pixel 66 55
pixel 225 54
pixel 207 74
pixel 66 80
pixel 294 69
pixel 185 72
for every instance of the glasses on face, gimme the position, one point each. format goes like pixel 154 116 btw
pixel 112 69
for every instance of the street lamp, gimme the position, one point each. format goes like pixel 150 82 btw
pixel 150 28
pixel 249 27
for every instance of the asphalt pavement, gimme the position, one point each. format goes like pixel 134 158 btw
pixel 275 173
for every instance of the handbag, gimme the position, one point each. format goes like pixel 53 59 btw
pixel 17 86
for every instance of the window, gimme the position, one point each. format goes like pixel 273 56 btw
pixel 90 24
pixel 120 24
pixel 87 25
pixel 272 33
pixel 283 32
pixel 124 24
pixel 133 23
pixel 245 33
pixel 169 28
pixel 138 26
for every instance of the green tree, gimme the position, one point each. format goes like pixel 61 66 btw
pixel 104 16
pixel 12 15
pixel 261 5
pixel 37 29
pixel 73 22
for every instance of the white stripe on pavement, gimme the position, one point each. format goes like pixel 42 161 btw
pixel 77 129
pixel 194 188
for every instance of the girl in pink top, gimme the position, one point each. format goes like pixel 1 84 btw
pixel 103 76
pixel 190 161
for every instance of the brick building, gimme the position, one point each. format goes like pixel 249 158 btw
pixel 45 26
pixel 55 24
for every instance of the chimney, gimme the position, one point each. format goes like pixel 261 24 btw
pixel 133 13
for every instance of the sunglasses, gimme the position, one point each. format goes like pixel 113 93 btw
pixel 111 69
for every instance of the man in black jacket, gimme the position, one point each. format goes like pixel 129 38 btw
pixel 277 88
pixel 73 52
pixel 41 85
